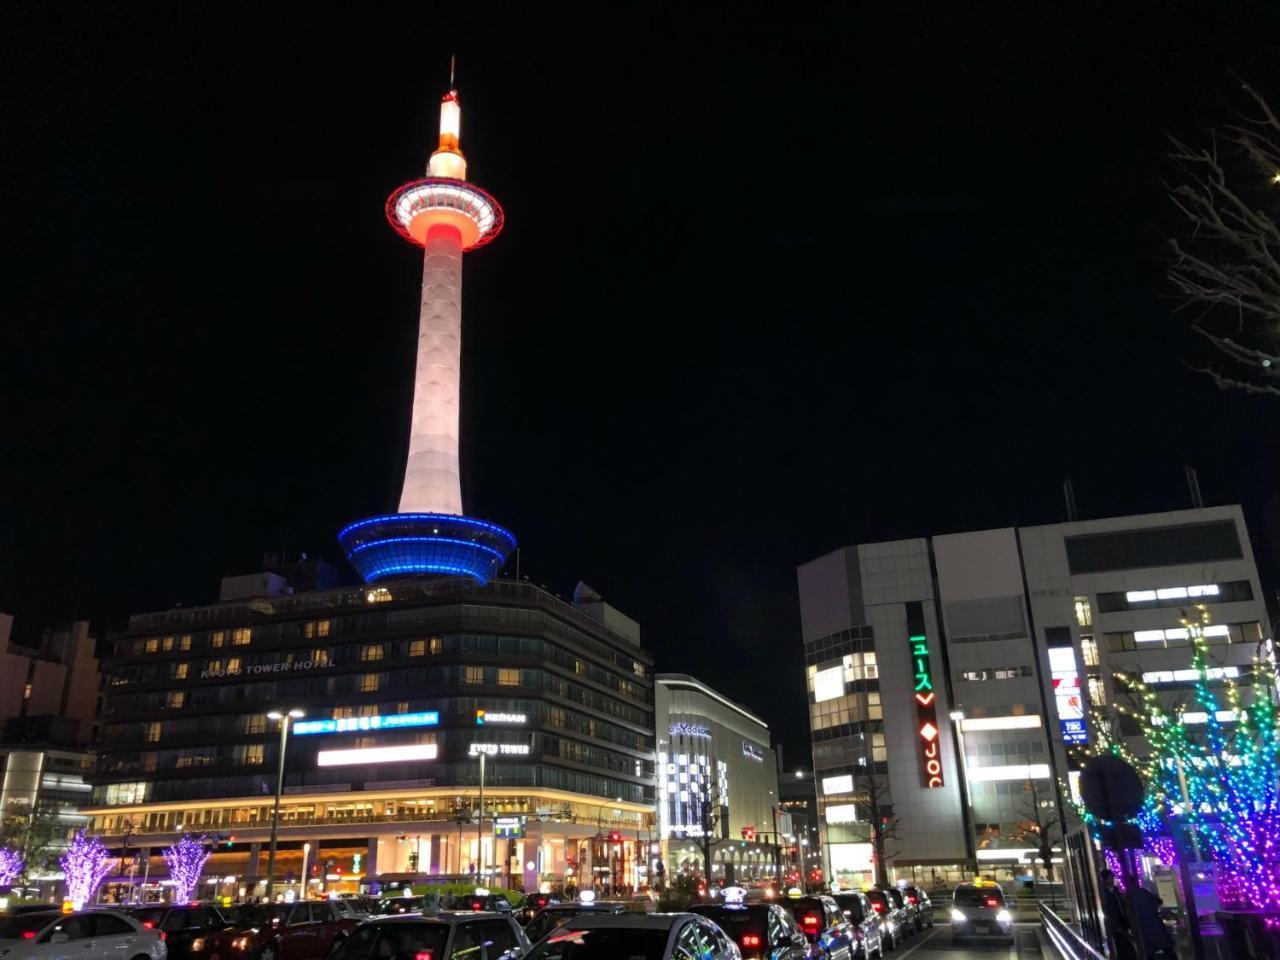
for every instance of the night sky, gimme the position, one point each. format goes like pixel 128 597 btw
pixel 773 280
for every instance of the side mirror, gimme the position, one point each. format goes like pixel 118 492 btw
pixel 58 937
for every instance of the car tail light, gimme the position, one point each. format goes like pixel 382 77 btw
pixel 751 939
pixel 148 924
pixel 163 936
pixel 811 923
pixel 878 905
pixel 424 955
pixel 28 934
pixel 912 899
pixel 993 902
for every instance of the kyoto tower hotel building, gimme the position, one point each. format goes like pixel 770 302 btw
pixel 447 723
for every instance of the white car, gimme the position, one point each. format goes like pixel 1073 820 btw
pixel 100 934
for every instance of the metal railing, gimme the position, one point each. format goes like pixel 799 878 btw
pixel 1066 940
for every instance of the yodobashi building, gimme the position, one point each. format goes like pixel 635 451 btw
pixel 404 686
pixel 717 775
pixel 1024 629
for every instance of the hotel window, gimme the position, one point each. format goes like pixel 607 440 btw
pixel 217 638
pixel 437 645
pixel 369 710
pixel 580 668
pixel 417 648
pixel 153 644
pixel 369 682
pixel 637 668
pixel 26 692
pixel 873 702
pixel 1089 650
pixel 1084 614
pixel 473 675
pixel 153 733
pixel 167 644
pixel 241 636
pixel 371 651
pixel 320 656
pixel 179 671
pixel 184 642
pixel 1097 691
pixel 254 753
pixel 176 699
pixel 341 713
pixel 322 628
pixel 254 723
pixel 508 677
pixel 233 664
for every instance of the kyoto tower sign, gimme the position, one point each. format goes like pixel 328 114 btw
pixel 447 217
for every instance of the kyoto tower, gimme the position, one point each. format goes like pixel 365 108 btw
pixel 447 217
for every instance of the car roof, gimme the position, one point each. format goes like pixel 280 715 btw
pixel 638 921
pixel 443 916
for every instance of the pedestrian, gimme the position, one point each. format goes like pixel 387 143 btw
pixel 1155 935
pixel 1117 917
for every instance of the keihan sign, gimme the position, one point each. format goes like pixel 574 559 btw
pixel 256 669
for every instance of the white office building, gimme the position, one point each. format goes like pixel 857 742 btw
pixel 1015 632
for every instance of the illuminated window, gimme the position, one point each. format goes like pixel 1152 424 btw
pixel 370 682
pixel 167 643
pixel 153 733
pixel 473 675
pixel 176 699
pixel 153 644
pixel 368 710
pixel 417 648
pixel 1089 650
pixel 580 668
pixel 217 638
pixel 874 710
pixel 371 651
pixel 437 645
pixel 508 678
pixel 341 713
pixel 1097 691
pixel 26 692
pixel 1084 614
pixel 241 636
pixel 637 668
pixel 309 630
pixel 233 664
pixel 184 642
pixel 320 656
pixel 254 754
pixel 179 671
pixel 378 595
pixel 254 723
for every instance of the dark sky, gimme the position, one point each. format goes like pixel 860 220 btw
pixel 773 280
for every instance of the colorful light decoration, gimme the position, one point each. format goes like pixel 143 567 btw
pixel 85 865
pixel 186 860
pixel 11 864
pixel 926 700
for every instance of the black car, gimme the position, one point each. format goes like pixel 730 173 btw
pixel 905 910
pixel 392 906
pixel 556 915
pixel 917 898
pixel 823 924
pixel 476 936
pixel 185 926
pixel 892 916
pixel 762 931
pixel 532 904
pixel 485 901
pixel 865 922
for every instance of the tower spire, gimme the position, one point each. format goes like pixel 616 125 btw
pixel 453 63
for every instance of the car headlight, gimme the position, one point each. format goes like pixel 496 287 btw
pixel 197 944
pixel 240 943
pixel 1004 916
pixel 957 916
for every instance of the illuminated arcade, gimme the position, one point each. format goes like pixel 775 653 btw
pixel 446 216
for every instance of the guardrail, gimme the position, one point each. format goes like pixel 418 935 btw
pixel 1069 944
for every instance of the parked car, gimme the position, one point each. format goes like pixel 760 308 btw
pixel 532 904
pixel 393 906
pixel 906 910
pixel 892 916
pixel 473 936
pixel 978 911
pixel 557 915
pixel 823 924
pixel 866 923
pixel 763 931
pixel 637 936
pixel 281 931
pixel 486 901
pixel 85 933
pixel 186 926
pixel 918 898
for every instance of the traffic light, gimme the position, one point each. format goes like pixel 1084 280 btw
pixel 615 837
pixel 231 838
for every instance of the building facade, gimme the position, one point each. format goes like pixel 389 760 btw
pixel 717 778
pixel 1023 631
pixel 405 686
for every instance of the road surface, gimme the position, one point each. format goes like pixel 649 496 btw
pixel 935 944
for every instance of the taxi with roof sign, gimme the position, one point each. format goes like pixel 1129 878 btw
pixel 978 911
pixel 761 929
pixel 823 923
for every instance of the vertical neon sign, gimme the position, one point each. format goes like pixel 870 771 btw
pixel 925 696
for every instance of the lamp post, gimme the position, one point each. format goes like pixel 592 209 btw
pixel 966 803
pixel 480 828
pixel 284 718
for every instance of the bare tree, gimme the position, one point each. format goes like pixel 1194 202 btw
pixel 709 819
pixel 1227 266
pixel 1040 824
pixel 874 800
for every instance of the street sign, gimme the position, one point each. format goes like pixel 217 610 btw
pixel 510 828
pixel 1112 789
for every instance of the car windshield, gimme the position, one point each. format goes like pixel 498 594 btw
pixel 850 906
pixel 261 915
pixel 601 943
pixel 401 940
pixel 734 922
pixel 25 925
pixel 149 917
pixel 400 905
pixel 979 897
pixel 544 921
pixel 808 913
pixel 878 899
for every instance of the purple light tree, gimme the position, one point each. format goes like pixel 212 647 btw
pixel 11 864
pixel 186 860
pixel 85 865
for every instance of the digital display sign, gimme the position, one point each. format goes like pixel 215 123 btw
pixel 925 697
pixel 396 721
pixel 1066 694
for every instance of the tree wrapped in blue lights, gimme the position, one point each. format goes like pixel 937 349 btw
pixel 85 865
pixel 11 866
pixel 186 860
pixel 1222 782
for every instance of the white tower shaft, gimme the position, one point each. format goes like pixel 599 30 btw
pixel 432 481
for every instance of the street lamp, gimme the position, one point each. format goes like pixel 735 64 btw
pixel 284 718
pixel 957 719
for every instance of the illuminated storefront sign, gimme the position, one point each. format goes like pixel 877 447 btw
pixel 348 758
pixel 828 684
pixel 1066 694
pixel 689 730
pixel 346 724
pixel 925 696
pixel 751 750
pixel 838 784
pixel 488 716
pixel 509 828
pixel 500 749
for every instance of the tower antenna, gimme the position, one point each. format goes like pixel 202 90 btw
pixel 453 62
